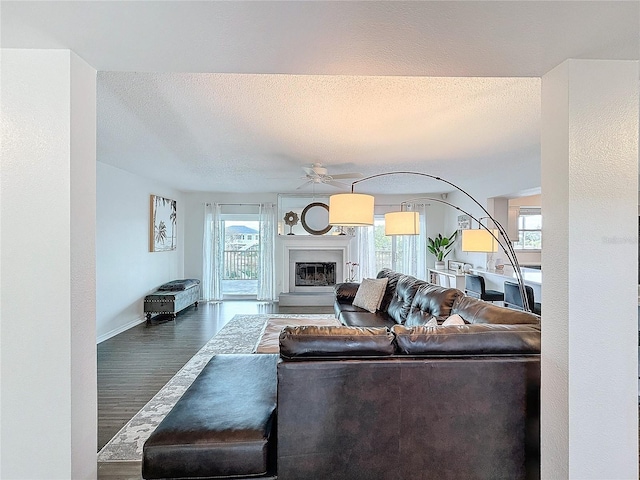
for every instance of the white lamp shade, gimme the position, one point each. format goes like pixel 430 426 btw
pixel 351 209
pixel 479 241
pixel 402 223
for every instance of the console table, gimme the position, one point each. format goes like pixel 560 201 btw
pixel 446 278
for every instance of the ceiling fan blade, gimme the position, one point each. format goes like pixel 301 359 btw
pixel 347 175
pixel 341 185
pixel 309 171
pixel 304 184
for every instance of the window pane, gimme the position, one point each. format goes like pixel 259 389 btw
pixel 529 240
pixel 532 222
pixel 532 240
pixel 383 246
pixel 240 273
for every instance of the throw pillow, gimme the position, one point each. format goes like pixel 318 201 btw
pixel 432 323
pixel 370 293
pixel 454 320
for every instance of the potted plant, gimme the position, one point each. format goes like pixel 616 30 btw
pixel 441 247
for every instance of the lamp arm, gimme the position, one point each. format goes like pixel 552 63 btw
pixel 434 177
pixel 513 258
pixel 498 225
pixel 508 248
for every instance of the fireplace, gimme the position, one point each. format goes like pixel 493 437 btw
pixel 315 274
pixel 315 270
pixel 312 265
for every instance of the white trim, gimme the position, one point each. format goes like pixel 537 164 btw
pixel 120 329
pixel 312 242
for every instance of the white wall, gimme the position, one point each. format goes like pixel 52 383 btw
pixel 126 269
pixel 84 399
pixel 589 421
pixel 48 353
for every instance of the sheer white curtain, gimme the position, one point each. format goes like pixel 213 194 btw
pixel 266 258
pixel 414 247
pixel 212 253
pixel 366 252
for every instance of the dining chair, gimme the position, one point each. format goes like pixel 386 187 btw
pixel 513 299
pixel 475 287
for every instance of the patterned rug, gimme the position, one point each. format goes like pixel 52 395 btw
pixel 240 335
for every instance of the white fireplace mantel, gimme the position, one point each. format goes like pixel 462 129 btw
pixel 287 243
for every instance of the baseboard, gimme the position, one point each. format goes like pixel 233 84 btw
pixel 120 329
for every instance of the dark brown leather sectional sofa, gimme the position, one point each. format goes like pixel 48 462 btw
pixel 385 397
pixel 409 301
pixel 382 397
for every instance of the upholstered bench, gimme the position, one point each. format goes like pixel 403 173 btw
pixel 172 297
pixel 222 426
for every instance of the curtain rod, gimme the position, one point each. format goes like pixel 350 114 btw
pixel 237 204
pixel 398 204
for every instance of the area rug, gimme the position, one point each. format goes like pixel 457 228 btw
pixel 240 335
pixel 269 341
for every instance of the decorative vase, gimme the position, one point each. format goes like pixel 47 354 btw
pixel 439 265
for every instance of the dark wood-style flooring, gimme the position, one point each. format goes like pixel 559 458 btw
pixel 134 365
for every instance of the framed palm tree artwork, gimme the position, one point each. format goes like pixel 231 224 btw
pixel 163 231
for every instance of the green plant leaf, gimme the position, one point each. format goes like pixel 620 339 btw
pixel 441 246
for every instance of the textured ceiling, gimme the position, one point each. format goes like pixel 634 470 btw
pixel 233 132
pixel 357 86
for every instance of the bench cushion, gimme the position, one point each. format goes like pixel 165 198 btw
pixel 178 285
pixel 221 426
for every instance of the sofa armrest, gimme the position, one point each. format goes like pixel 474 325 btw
pixel 479 311
pixel 346 292
pixel 323 341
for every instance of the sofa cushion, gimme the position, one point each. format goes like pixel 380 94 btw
pixel 467 340
pixel 473 310
pixel 400 304
pixel 369 294
pixel 321 341
pixel 358 317
pixel 431 300
pixel 391 286
pixel 346 292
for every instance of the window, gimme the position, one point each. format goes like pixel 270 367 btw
pixel 529 229
pixel 242 241
pixel 388 248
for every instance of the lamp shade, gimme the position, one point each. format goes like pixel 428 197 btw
pixel 479 241
pixel 402 223
pixel 351 209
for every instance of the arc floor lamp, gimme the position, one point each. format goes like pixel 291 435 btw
pixel 357 210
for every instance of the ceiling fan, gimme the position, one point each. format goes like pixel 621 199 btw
pixel 317 173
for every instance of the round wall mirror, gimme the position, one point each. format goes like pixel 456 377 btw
pixel 315 218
